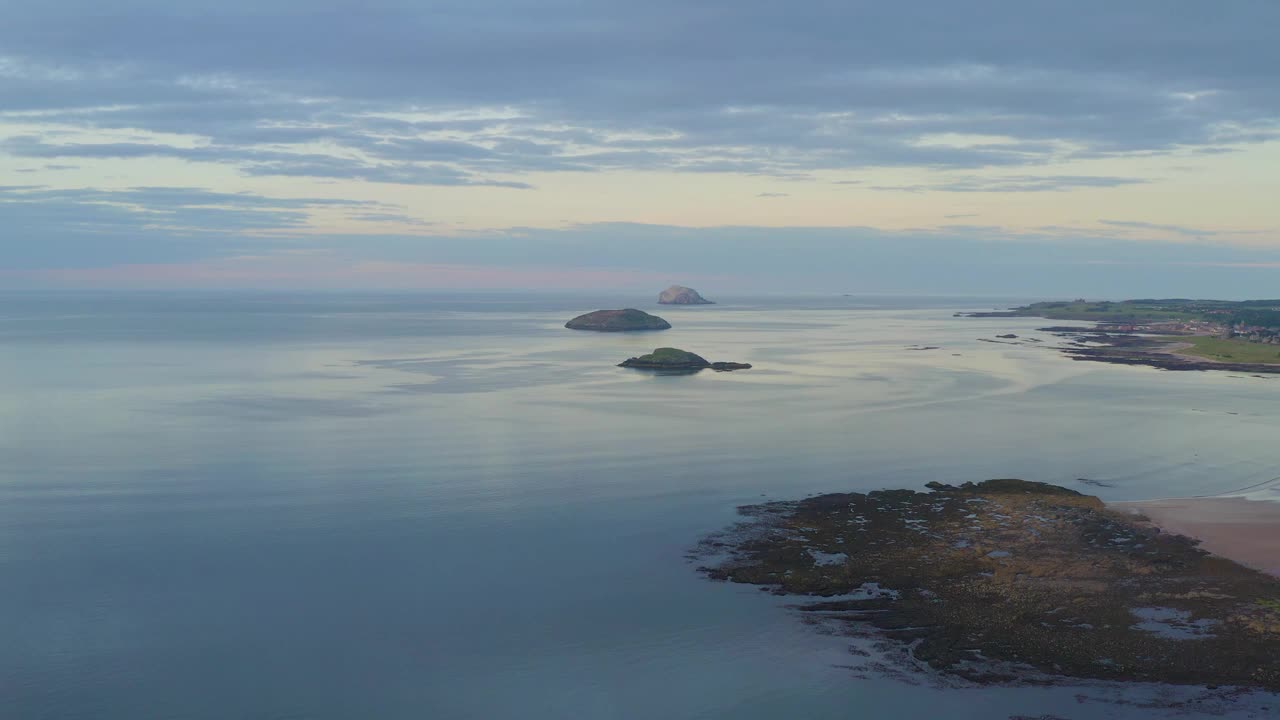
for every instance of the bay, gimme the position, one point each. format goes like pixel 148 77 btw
pixel 336 505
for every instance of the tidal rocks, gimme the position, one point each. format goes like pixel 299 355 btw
pixel 1123 347
pixel 677 360
pixel 626 320
pixel 681 295
pixel 1009 582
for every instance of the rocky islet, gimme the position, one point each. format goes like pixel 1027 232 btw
pixel 675 359
pixel 626 320
pixel 681 295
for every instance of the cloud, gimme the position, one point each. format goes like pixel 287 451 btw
pixel 1017 184
pixel 924 96
pixel 192 209
pixel 391 217
pixel 970 259
pixel 506 87
pixel 773 195
pixel 1175 229
pixel 1128 228
pixel 260 162
pixel 332 271
pixel 51 227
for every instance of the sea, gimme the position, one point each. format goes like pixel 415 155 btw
pixel 446 506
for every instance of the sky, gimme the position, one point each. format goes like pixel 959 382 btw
pixel 1082 148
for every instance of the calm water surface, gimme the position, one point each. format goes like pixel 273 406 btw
pixel 223 506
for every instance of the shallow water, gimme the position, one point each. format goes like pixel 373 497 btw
pixel 448 506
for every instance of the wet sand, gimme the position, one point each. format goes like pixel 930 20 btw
pixel 1243 530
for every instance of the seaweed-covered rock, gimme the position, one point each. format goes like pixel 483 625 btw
pixel 1007 581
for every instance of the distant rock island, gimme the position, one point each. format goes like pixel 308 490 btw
pixel 626 320
pixel 681 295
pixel 677 360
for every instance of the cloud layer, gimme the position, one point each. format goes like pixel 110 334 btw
pixel 453 92
pixel 996 97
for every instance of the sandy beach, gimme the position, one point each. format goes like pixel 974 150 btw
pixel 1247 531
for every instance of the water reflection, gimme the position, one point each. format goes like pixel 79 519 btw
pixel 406 507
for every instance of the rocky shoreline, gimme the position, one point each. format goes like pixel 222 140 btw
pixel 1151 333
pixel 1120 347
pixel 1012 582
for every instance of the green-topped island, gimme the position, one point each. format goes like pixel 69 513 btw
pixel 627 320
pixel 677 360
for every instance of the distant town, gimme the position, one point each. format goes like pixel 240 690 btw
pixel 1209 334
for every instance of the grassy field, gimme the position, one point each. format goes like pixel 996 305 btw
pixel 1127 312
pixel 1239 351
pixel 1250 312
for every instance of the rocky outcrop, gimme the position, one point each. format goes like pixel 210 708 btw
pixel 681 295
pixel 1008 581
pixel 667 359
pixel 626 320
pixel 677 360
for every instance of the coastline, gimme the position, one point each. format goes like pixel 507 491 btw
pixel 1012 582
pixel 1145 349
pixel 1237 528
pixel 1164 334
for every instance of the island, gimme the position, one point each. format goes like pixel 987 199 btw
pixel 1010 582
pixel 679 361
pixel 1171 334
pixel 627 320
pixel 681 295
